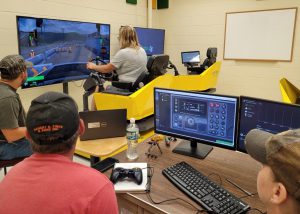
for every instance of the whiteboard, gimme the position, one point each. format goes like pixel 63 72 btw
pixel 260 35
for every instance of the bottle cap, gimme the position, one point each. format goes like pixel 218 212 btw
pixel 132 120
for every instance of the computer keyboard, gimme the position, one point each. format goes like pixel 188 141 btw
pixel 205 192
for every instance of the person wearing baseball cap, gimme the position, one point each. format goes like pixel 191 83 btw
pixel 12 115
pixel 49 181
pixel 278 182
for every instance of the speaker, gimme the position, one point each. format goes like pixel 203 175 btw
pixel 131 1
pixel 162 4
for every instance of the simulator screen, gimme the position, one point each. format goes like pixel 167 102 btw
pixel 266 115
pixel 206 118
pixel 152 40
pixel 58 50
pixel 190 57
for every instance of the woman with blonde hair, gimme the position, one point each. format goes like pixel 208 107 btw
pixel 129 62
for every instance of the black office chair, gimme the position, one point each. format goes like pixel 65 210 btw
pixel 8 163
pixel 211 54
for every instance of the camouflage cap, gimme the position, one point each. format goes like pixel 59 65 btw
pixel 12 65
pixel 281 152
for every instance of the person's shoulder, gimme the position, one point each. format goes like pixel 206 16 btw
pixel 6 92
pixel 141 49
pixel 89 173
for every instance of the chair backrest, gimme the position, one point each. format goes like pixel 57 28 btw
pixel 157 65
pixel 211 55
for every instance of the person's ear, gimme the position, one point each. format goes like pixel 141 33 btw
pixel 279 193
pixel 27 135
pixel 81 127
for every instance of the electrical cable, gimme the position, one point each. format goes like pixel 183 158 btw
pixel 255 209
pixel 246 196
pixel 167 200
pixel 220 179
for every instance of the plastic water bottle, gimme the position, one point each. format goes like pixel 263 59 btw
pixel 132 139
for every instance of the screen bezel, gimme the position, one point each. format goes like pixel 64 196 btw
pixel 32 17
pixel 154 29
pixel 255 99
pixel 190 52
pixel 191 139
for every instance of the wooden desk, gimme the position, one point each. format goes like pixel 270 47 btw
pixel 100 148
pixel 103 148
pixel 239 167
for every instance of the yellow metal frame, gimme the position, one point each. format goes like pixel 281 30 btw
pixel 289 92
pixel 140 104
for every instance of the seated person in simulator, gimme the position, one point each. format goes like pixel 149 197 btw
pixel 49 181
pixel 129 62
pixel 278 182
pixel 12 115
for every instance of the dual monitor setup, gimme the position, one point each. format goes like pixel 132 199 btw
pixel 207 120
pixel 58 50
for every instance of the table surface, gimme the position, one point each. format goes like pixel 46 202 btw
pixel 101 147
pixel 238 167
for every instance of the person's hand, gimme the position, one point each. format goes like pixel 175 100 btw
pixel 91 66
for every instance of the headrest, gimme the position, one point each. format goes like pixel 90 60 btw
pixel 157 64
pixel 211 52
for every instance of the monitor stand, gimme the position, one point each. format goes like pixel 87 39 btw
pixel 193 149
pixel 65 88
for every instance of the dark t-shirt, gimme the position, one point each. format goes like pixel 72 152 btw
pixel 12 114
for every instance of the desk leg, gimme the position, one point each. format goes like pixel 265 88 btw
pixel 94 160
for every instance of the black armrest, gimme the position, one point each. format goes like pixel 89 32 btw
pixel 122 85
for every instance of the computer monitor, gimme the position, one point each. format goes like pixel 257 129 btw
pixel 152 40
pixel 59 49
pixel 205 120
pixel 270 116
pixel 190 57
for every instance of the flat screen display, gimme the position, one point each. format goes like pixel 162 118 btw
pixel 152 40
pixel 190 57
pixel 201 117
pixel 58 50
pixel 270 116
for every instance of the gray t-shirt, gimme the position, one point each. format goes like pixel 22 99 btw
pixel 12 114
pixel 130 63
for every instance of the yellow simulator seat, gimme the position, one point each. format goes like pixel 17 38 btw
pixel 289 92
pixel 140 104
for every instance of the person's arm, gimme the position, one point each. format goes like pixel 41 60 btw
pixel 9 119
pixel 14 134
pixel 101 68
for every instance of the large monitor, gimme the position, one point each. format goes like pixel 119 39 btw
pixel 152 40
pixel 200 118
pixel 190 57
pixel 59 50
pixel 266 115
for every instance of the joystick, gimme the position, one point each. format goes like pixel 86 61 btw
pixel 134 174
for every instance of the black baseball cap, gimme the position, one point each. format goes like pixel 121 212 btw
pixel 52 118
pixel 12 65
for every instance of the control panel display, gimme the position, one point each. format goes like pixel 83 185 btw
pixel 270 116
pixel 203 117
